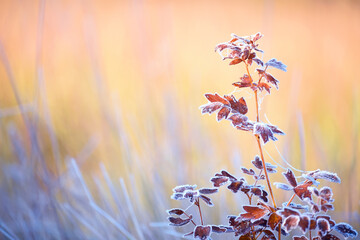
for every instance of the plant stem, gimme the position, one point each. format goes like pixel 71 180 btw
pixel 266 173
pixel 292 198
pixel 260 147
pixel 189 217
pixel 198 205
pixel 279 229
pixel 257 108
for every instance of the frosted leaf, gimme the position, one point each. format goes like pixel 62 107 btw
pixel 300 238
pixel 223 113
pixel 258 62
pixel 290 177
pixel 208 190
pixel 248 171
pixel 202 232
pixel 311 179
pixel 237 106
pixel 263 130
pixel 304 223
pixel 274 220
pixel 182 188
pixel 283 186
pixel 291 223
pixel 346 230
pixel 218 229
pixel 206 200
pixel 254 212
pixel 323 225
pixel 235 186
pixel 257 163
pixel 326 193
pixel 216 98
pixel 329 176
pixel 176 221
pixel 286 212
pixel 219 181
pixel 175 211
pixel 210 107
pixel 276 64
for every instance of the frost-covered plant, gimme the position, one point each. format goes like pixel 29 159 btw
pixel 260 219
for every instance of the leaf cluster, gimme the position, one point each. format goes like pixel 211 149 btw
pixel 260 219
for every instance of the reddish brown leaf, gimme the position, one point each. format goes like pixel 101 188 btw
pixel 268 235
pixel 236 61
pixel 290 177
pixel 328 218
pixel 326 193
pixel 245 81
pixel 223 113
pixel 257 163
pixel 216 98
pixel 313 224
pixel 238 119
pixel 258 61
pixel 221 46
pixel 304 223
pixel 271 79
pixel 241 84
pixel 182 188
pixel 207 200
pixel 330 237
pixel 210 107
pixel 226 174
pixel 262 130
pixel 323 225
pixel 237 106
pixel 302 190
pixel 315 208
pixel 218 229
pixel 256 36
pixel 219 181
pixel 245 54
pixel 245 237
pixel 263 86
pixel 256 191
pixel 291 222
pixel 274 220
pixel 208 190
pixel 191 195
pixel 300 238
pixel 202 232
pixel 176 211
pixel 248 171
pixel 327 207
pixel 253 212
pixel 176 221
pixel 286 212
pixel 235 186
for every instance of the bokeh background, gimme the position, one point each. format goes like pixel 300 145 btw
pixel 99 109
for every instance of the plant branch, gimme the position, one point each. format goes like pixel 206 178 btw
pixel 292 198
pixel 198 205
pixel 189 217
pixel 266 173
